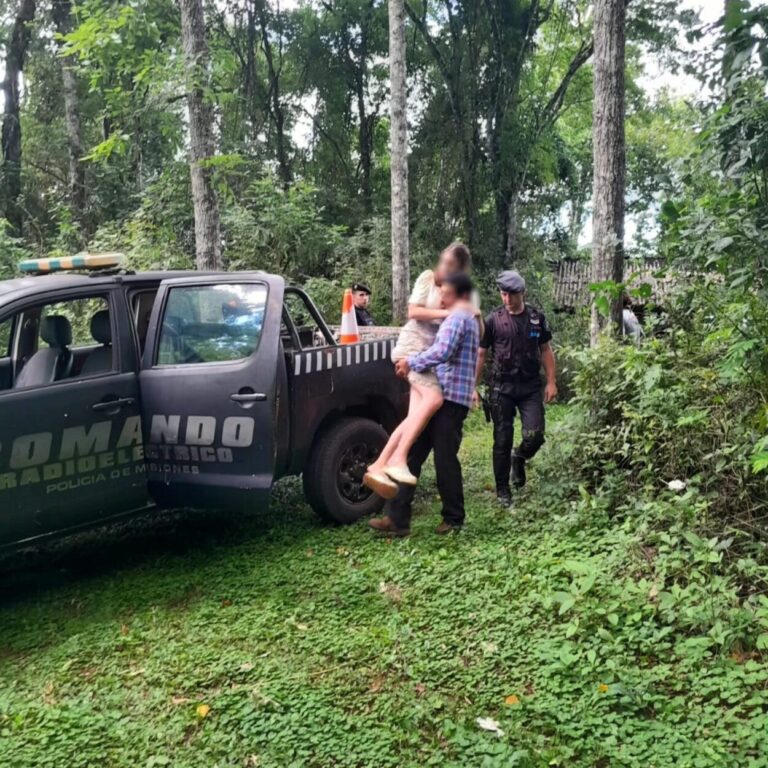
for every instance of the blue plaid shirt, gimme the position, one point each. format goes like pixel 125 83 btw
pixel 453 356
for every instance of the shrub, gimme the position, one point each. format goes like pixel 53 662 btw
pixel 687 409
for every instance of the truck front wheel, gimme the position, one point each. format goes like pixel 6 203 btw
pixel 333 477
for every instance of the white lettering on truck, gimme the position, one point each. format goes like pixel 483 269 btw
pixel 83 455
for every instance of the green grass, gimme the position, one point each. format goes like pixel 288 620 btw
pixel 325 646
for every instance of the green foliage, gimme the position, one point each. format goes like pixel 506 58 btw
pixel 281 230
pixel 686 407
pixel 590 638
pixel 12 251
pixel 719 223
pixel 361 256
pixel 124 54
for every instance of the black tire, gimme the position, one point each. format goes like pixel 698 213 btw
pixel 334 473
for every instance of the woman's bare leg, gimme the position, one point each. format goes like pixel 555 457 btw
pixel 386 454
pixel 428 402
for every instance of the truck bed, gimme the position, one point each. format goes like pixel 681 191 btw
pixel 329 382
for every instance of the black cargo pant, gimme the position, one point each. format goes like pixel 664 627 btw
pixel 443 436
pixel 507 401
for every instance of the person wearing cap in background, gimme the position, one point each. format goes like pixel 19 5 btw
pixel 361 298
pixel 519 340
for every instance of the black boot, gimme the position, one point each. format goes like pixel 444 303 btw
pixel 504 497
pixel 518 471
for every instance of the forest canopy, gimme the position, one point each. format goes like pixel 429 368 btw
pixel 500 114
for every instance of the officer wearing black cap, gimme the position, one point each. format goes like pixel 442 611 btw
pixel 361 297
pixel 518 337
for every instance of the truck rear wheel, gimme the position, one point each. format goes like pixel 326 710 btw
pixel 333 478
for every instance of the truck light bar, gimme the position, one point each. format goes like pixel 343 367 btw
pixel 80 261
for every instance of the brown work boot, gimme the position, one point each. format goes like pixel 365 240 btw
pixel 386 525
pixel 444 528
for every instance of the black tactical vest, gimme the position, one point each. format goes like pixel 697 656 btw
pixel 516 349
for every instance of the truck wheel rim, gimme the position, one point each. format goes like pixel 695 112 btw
pixel 352 465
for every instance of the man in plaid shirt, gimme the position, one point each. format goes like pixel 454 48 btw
pixel 454 358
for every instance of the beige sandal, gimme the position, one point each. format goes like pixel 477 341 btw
pixel 380 484
pixel 401 475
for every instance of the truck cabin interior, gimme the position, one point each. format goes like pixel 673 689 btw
pixel 53 342
pixel 303 327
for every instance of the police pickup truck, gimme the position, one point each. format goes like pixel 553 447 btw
pixel 119 391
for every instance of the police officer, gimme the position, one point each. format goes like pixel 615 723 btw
pixel 361 298
pixel 518 337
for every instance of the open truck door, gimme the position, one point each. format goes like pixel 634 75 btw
pixel 209 390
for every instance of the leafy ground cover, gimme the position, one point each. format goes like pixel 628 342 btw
pixel 562 634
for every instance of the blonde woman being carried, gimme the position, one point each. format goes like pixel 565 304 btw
pixel 425 313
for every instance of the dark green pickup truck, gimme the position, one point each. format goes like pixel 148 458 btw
pixel 119 391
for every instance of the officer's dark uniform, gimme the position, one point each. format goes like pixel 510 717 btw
pixel 363 316
pixel 516 387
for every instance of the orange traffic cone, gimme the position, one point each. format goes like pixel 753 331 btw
pixel 349 332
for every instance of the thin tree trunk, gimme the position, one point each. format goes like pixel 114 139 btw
pixel 11 133
pixel 578 201
pixel 62 16
pixel 276 110
pixel 366 122
pixel 365 149
pixel 251 87
pixel 609 155
pixel 201 138
pixel 399 160
pixel 512 232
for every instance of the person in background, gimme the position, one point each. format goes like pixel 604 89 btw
pixel 361 298
pixel 452 357
pixel 631 324
pixel 519 340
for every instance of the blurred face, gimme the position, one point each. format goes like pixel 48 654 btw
pixel 447 264
pixel 361 299
pixel 514 302
pixel 448 296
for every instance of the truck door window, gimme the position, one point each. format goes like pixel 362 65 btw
pixel 211 323
pixel 58 341
pixel 306 322
pixel 5 338
pixel 79 313
pixel 6 362
pixel 141 305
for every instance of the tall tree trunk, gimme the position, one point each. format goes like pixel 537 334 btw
pixel 399 160
pixel 251 76
pixel 366 121
pixel 512 231
pixel 201 139
pixel 62 16
pixel 609 155
pixel 11 133
pixel 276 111
pixel 468 184
pixel 365 149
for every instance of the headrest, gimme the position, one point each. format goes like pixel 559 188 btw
pixel 101 328
pixel 56 331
